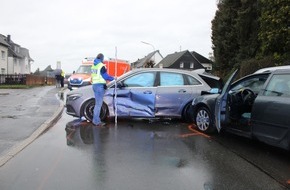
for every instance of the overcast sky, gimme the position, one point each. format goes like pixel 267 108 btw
pixel 70 30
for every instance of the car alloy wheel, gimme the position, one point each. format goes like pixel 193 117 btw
pixel 88 110
pixel 203 120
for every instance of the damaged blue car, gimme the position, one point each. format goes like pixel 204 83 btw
pixel 143 93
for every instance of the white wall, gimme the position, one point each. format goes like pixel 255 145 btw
pixel 3 60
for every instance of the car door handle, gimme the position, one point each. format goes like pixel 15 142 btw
pixel 147 92
pixel 181 91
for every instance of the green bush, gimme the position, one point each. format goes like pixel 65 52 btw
pixel 252 65
pixel 17 86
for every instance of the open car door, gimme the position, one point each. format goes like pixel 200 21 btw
pixel 221 102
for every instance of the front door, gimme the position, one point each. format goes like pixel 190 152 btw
pixel 137 96
pixel 221 103
pixel 270 115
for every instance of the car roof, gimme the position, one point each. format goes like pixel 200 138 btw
pixel 282 71
pixel 271 69
pixel 182 71
pixel 160 69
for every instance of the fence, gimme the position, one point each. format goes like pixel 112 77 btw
pixel 26 79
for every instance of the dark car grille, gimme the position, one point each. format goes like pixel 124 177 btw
pixel 76 81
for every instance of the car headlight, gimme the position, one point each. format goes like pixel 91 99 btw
pixel 73 97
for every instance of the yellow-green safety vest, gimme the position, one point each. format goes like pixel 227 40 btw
pixel 62 73
pixel 96 74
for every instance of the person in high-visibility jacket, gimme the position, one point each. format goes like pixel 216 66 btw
pixel 99 77
pixel 62 75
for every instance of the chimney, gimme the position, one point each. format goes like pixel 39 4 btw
pixel 8 38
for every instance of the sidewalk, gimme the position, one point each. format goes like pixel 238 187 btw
pixel 25 114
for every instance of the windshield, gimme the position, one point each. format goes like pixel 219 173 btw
pixel 255 83
pixel 84 69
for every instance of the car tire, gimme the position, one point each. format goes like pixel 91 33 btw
pixel 204 120
pixel 187 114
pixel 88 110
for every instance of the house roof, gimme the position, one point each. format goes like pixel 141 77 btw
pixel 25 53
pixel 172 58
pixel 143 61
pixel 200 58
pixel 2 41
pixel 48 71
pixel 48 68
pixel 12 52
pixel 11 49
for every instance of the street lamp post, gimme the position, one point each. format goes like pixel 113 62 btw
pixel 153 49
pixel 149 45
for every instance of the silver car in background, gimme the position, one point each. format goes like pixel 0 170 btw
pixel 142 93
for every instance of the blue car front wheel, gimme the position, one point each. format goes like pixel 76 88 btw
pixel 88 110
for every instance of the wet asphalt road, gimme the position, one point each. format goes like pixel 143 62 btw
pixel 137 155
pixel 23 112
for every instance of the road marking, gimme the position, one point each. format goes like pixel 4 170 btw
pixel 191 128
pixel 188 135
pixel 195 133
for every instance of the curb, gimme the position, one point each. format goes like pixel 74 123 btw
pixel 19 147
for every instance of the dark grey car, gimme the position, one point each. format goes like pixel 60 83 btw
pixel 256 106
pixel 142 93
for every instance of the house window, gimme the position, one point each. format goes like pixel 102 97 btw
pixel 181 64
pixel 3 54
pixel 16 49
pixel 2 71
pixel 191 65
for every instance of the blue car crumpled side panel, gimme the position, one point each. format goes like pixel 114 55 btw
pixel 132 103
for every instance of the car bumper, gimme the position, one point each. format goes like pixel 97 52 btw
pixel 73 104
pixel 72 86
